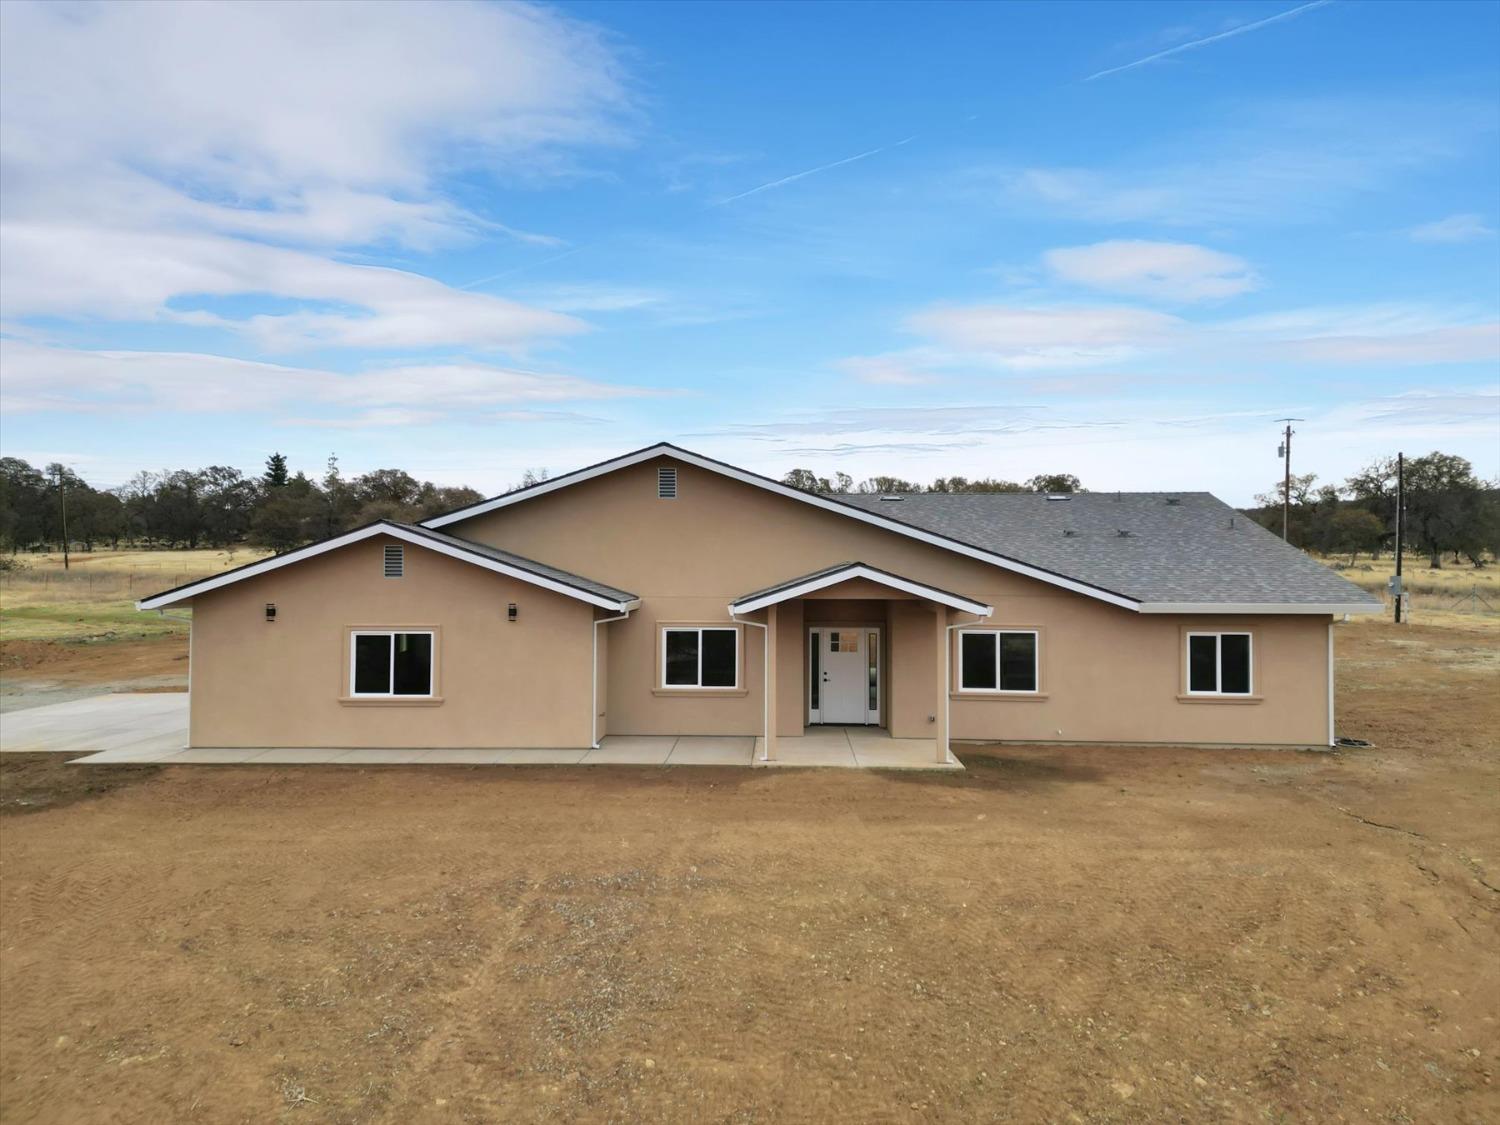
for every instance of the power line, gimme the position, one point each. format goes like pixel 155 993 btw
pixel 1286 485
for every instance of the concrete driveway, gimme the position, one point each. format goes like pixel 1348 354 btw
pixel 147 723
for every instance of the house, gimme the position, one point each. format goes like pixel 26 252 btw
pixel 664 592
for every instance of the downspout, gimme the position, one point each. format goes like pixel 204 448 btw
pixel 765 684
pixel 594 670
pixel 979 619
pixel 1332 739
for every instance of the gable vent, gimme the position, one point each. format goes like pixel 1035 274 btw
pixel 395 561
pixel 666 484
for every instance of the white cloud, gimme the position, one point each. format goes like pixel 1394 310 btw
pixel 1455 228
pixel 1459 343
pixel 893 370
pixel 37 378
pixel 1019 337
pixel 1169 271
pixel 161 151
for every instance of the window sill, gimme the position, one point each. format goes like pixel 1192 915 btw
pixel 701 693
pixel 390 700
pixel 1002 696
pixel 1233 700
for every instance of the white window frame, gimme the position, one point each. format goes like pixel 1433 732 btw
pixel 1218 635
pixel 700 630
pixel 997 689
pixel 354 693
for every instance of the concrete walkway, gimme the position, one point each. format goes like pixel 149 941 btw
pixel 152 728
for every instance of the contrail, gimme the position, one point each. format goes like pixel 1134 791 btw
pixel 1230 34
pixel 814 171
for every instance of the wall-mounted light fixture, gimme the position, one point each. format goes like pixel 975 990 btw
pixel 511 612
pixel 271 611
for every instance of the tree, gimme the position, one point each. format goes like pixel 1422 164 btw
pixel 23 502
pixel 1054 482
pixel 1444 505
pixel 1353 529
pixel 275 475
pixel 883 485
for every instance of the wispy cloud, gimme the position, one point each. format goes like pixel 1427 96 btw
pixel 1170 271
pixel 1206 40
pixel 814 171
pixel 1466 227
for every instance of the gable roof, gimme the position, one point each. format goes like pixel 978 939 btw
pixel 843 572
pixel 1190 569
pixel 477 554
pixel 1182 552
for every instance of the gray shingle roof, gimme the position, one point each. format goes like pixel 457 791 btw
pixel 1195 550
pixel 567 578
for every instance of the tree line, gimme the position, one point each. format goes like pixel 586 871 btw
pixel 842 483
pixel 214 507
pixel 1449 511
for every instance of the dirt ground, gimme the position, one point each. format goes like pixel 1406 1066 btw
pixel 34 672
pixel 1060 934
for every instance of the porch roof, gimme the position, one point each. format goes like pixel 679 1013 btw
pixel 843 572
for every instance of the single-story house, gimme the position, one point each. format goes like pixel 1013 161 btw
pixel 664 592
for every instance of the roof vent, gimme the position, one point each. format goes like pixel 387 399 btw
pixel 1123 534
pixel 1058 496
pixel 666 484
pixel 1174 501
pixel 1069 533
pixel 892 499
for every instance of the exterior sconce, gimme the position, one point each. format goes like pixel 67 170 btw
pixel 271 612
pixel 511 612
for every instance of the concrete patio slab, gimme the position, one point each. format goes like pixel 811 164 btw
pixel 125 757
pixel 461 756
pixel 630 751
pixel 704 751
pixel 298 756
pixel 228 756
pixel 394 756
pixel 541 757
pixel 903 754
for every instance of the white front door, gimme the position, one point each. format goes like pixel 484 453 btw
pixel 844 680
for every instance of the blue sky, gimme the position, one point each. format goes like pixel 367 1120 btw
pixel 1113 239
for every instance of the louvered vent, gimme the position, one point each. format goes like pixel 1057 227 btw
pixel 666 484
pixel 395 561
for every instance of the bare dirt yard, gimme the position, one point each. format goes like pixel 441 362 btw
pixel 1060 934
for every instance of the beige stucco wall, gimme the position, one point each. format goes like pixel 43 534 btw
pixel 284 684
pixel 1107 674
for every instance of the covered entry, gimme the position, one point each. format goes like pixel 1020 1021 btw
pixel 854 646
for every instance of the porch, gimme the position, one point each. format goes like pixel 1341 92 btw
pixel 857 667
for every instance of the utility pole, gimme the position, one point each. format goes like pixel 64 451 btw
pixel 1400 527
pixel 1286 483
pixel 62 493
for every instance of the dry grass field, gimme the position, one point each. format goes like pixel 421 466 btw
pixel 1061 934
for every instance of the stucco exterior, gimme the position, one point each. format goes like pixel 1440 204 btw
pixel 1106 674
pixel 286 683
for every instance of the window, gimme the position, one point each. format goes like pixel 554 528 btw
pixel 382 663
pixel 995 660
pixel 1218 664
pixel 700 658
pixel 666 484
pixel 843 641
pixel 394 561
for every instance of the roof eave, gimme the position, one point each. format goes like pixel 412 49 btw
pixel 1267 608
pixel 383 527
pixel 823 580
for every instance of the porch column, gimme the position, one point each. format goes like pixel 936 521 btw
pixel 770 684
pixel 940 701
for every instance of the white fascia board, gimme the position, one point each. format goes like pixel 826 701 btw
pixel 910 532
pixel 194 589
pixel 1319 608
pixel 833 578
